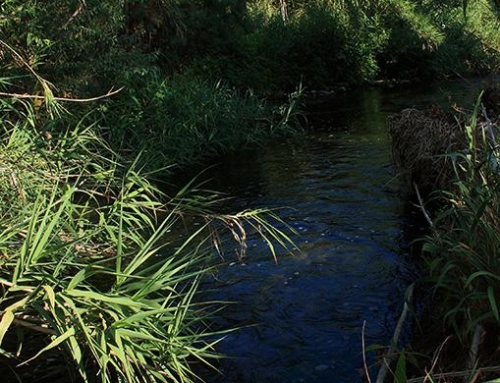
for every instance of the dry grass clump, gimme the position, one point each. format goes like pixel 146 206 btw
pixel 420 140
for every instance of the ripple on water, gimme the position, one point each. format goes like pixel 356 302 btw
pixel 301 319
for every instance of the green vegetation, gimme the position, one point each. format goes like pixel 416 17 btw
pixel 99 97
pixel 88 47
pixel 183 120
pixel 87 259
pixel 466 234
pixel 461 250
pixel 89 266
pixel 327 44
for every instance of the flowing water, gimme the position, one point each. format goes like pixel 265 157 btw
pixel 301 318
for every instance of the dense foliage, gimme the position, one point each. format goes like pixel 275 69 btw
pixel 330 43
pixel 88 47
pixel 450 161
pixel 87 257
pixel 82 225
pixel 88 266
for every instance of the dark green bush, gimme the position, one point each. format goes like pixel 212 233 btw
pixel 185 119
pixel 315 48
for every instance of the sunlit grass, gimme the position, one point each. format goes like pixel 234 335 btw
pixel 86 261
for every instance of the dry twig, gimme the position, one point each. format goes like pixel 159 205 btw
pixel 110 93
pixel 367 373
pixel 392 349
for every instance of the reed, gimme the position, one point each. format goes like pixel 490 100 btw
pixel 461 251
pixel 463 248
pixel 86 262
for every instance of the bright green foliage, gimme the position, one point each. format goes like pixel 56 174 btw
pixel 328 43
pixel 88 47
pixel 86 257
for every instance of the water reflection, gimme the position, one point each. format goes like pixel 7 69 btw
pixel 301 319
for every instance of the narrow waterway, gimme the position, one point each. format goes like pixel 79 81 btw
pixel 301 318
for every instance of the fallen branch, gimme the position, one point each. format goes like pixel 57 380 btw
pixel 422 207
pixel 36 97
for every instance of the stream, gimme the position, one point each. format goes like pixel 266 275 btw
pixel 301 319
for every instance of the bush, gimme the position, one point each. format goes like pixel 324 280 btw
pixel 315 48
pixel 183 120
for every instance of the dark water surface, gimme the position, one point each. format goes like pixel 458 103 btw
pixel 302 318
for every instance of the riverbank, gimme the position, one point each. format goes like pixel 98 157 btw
pixel 454 175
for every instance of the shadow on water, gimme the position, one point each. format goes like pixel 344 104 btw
pixel 300 319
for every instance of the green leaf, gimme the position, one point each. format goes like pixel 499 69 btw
pixel 56 342
pixel 8 316
pixel 7 319
pixel 51 295
pixel 139 317
pixel 493 302
pixel 400 373
pixel 121 355
pixel 122 301
pixel 77 279
pixel 125 333
pixel 481 273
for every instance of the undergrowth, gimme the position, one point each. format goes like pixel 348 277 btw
pixel 461 254
pixel 88 269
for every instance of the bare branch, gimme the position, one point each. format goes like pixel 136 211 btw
pixel 25 63
pixel 78 10
pixel 110 93
pixel 422 207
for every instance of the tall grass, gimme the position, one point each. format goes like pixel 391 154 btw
pixel 85 260
pixel 462 255
pixel 464 248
